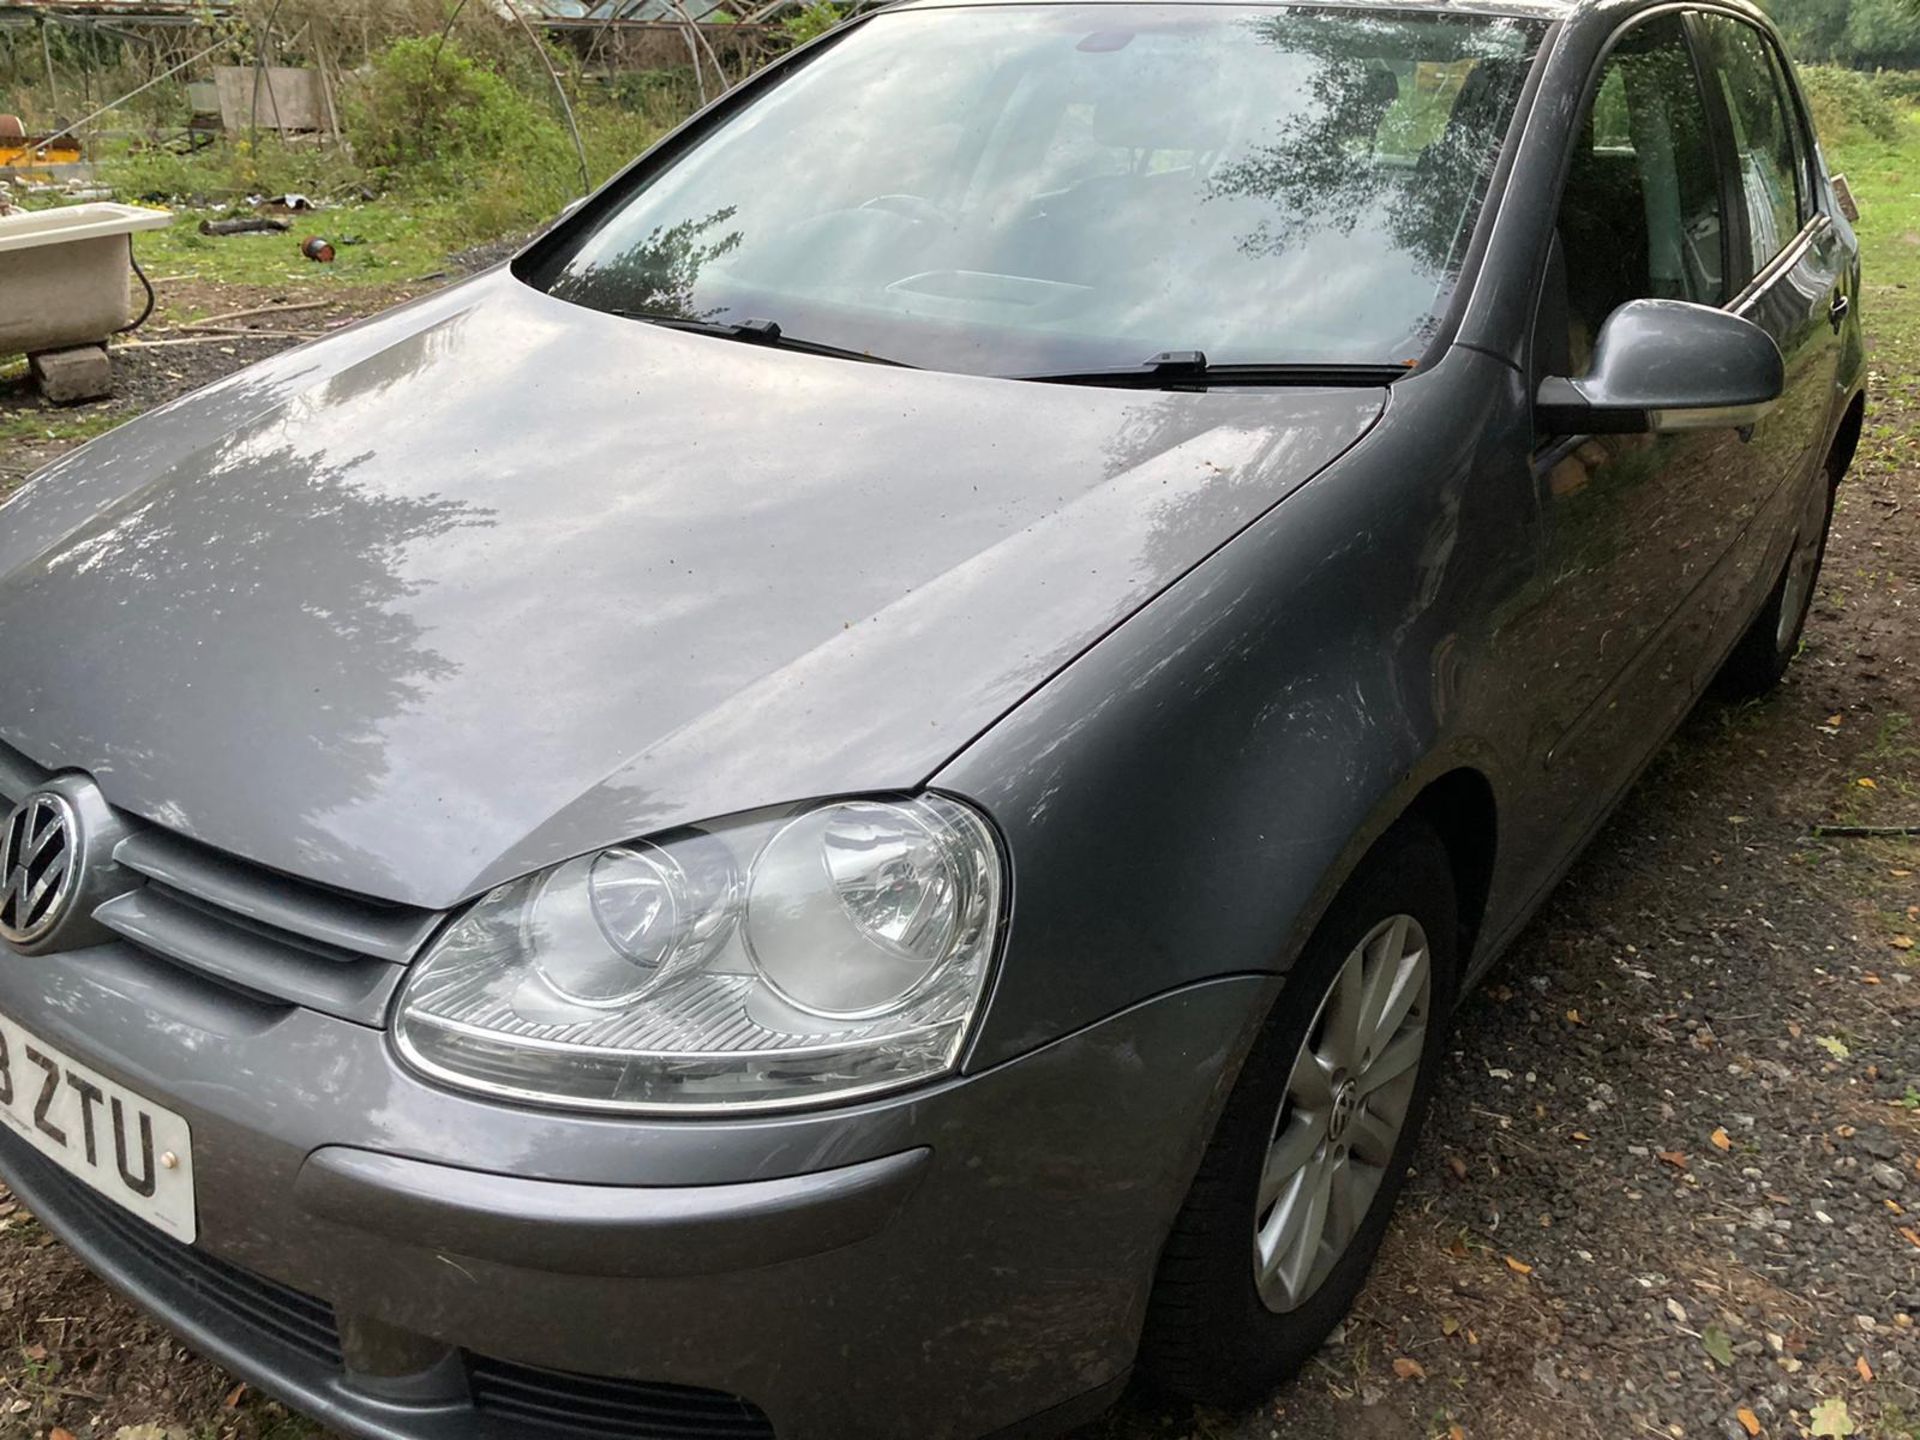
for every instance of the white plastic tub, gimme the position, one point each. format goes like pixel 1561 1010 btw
pixel 64 274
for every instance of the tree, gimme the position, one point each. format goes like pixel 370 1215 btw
pixel 1860 33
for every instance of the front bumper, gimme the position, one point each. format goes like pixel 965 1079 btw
pixel 418 1263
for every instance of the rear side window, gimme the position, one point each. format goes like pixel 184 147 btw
pixel 1765 137
pixel 1640 217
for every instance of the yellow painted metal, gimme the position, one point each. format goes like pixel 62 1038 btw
pixel 29 152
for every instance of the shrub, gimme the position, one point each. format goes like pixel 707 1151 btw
pixel 815 19
pixel 1902 87
pixel 427 117
pixel 1848 105
pixel 664 96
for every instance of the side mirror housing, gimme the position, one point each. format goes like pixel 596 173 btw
pixel 1667 365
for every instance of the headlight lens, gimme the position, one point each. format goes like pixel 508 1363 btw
pixel 779 959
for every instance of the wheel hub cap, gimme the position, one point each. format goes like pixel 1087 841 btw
pixel 1347 1101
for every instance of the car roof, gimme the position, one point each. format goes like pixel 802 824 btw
pixel 1531 9
pixel 1611 12
pixel 1603 15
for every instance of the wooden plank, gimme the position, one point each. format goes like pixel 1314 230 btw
pixel 279 97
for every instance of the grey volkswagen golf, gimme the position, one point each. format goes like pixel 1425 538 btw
pixel 851 799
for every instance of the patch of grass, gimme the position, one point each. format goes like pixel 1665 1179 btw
pixel 58 425
pixel 1885 177
pixel 397 240
pixel 229 170
pixel 1891 742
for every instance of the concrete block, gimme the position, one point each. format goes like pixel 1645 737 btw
pixel 67 376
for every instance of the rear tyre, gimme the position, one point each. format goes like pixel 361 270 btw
pixel 1760 660
pixel 1296 1188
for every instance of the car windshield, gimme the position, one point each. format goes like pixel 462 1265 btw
pixel 1029 190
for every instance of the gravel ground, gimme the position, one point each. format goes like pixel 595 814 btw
pixel 1665 1188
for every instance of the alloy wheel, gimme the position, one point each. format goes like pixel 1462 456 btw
pixel 1798 588
pixel 1346 1104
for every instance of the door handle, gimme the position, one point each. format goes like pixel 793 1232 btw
pixel 1837 311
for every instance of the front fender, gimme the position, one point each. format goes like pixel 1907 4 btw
pixel 1186 798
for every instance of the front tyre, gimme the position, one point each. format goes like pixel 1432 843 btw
pixel 1760 660
pixel 1295 1191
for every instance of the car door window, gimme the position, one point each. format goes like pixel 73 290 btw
pixel 1641 215
pixel 1773 170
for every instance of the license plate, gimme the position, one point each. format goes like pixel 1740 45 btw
pixel 136 1153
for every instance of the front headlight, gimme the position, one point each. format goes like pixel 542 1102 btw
pixel 778 959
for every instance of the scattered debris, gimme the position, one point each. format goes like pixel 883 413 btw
pixel 245 225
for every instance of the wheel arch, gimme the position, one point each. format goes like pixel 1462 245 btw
pixel 1461 809
pixel 1846 439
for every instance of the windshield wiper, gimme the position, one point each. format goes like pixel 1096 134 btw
pixel 755 332
pixel 1190 369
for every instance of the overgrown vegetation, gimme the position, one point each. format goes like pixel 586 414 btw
pixel 1862 34
pixel 426 120
pixel 452 116
pixel 813 21
pixel 1849 105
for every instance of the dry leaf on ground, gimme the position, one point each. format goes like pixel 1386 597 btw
pixel 1830 1418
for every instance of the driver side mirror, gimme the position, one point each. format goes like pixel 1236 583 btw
pixel 1667 365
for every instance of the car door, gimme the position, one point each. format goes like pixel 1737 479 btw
pixel 1633 525
pixel 1788 264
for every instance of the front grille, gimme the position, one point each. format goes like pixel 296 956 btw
pixel 270 936
pixel 581 1405
pixel 197 1282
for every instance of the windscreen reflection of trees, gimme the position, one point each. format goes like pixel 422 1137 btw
pixel 1324 171
pixel 657 276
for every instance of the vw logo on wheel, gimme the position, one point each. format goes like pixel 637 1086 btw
pixel 39 864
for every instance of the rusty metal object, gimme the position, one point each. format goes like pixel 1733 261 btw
pixel 315 248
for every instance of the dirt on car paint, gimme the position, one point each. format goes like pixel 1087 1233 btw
pixel 1669 1186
